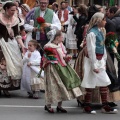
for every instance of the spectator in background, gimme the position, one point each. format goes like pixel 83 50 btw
pixel 81 22
pixel 36 3
pixel 68 7
pixel 51 21
pixel 17 3
pixel 55 7
pixel 25 9
pixel 63 13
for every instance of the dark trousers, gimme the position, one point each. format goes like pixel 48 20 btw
pixel 119 71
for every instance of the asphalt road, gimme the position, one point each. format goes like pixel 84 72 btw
pixel 20 107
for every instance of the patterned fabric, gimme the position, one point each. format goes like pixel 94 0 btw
pixel 99 40
pixel 68 76
pixel 65 15
pixel 7 83
pixel 55 90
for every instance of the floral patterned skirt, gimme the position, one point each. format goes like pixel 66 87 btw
pixel 55 90
pixel 6 83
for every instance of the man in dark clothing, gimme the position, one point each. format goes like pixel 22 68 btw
pixel 114 14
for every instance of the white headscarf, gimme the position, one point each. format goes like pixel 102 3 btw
pixel 51 35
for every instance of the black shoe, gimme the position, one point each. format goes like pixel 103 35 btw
pixel 43 91
pixel 112 104
pixel 30 95
pixel 50 110
pixel 107 109
pixel 61 110
pixel 80 103
pixel 6 93
pixel 74 56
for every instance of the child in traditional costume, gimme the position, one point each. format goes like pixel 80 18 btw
pixel 61 81
pixel 95 64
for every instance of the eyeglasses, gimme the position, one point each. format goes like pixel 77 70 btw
pixel 43 3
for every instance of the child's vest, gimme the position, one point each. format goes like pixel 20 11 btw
pixel 99 40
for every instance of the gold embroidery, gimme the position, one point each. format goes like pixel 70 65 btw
pixel 102 43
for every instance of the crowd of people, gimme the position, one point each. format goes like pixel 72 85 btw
pixel 36 46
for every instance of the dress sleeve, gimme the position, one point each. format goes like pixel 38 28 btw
pixel 55 22
pixel 16 30
pixel 90 42
pixel 25 58
pixel 28 27
pixel 37 59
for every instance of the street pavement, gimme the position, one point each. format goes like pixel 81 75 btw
pixel 20 107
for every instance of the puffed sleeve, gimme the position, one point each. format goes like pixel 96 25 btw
pixel 37 59
pixel 55 22
pixel 90 42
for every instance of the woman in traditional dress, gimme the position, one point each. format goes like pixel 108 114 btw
pixel 9 48
pixel 95 64
pixel 28 36
pixel 61 81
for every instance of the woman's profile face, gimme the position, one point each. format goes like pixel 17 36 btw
pixel 23 12
pixel 102 23
pixel 11 11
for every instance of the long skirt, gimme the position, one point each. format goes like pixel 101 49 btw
pixel 11 51
pixel 113 92
pixel 55 90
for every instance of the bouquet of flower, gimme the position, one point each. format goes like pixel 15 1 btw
pixel 40 20
pixel 41 23
pixel 112 43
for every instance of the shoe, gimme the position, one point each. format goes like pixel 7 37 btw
pixel 30 95
pixel 43 91
pixel 112 104
pixel 50 110
pixel 80 103
pixel 6 93
pixel 74 56
pixel 88 109
pixel 61 110
pixel 36 95
pixel 107 109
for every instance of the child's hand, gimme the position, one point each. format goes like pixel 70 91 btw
pixel 29 64
pixel 68 58
pixel 29 54
pixel 2 67
pixel 96 70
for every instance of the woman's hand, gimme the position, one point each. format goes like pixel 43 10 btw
pixel 96 70
pixel 24 50
pixel 2 67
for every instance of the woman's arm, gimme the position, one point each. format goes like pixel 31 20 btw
pixel 18 37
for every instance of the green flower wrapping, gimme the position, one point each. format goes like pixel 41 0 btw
pixel 111 42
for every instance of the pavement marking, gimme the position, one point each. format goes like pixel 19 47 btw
pixel 22 106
